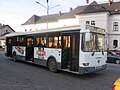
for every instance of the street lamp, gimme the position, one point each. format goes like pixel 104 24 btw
pixel 47 8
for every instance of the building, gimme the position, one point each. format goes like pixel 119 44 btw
pixel 104 15
pixel 4 29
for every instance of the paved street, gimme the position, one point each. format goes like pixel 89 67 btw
pixel 24 76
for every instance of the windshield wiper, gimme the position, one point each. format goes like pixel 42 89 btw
pixel 93 53
pixel 102 52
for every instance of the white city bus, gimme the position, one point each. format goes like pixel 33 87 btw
pixel 68 49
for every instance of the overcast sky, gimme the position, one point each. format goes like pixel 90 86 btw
pixel 16 12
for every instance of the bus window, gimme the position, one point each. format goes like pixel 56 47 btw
pixel 54 42
pixel 66 41
pixel 50 44
pixel 16 41
pixel 9 41
pixel 22 41
pixel 43 41
pixel 59 44
pixel 29 41
pixel 40 41
pixel 37 41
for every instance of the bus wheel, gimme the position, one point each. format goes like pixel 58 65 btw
pixel 14 57
pixel 52 65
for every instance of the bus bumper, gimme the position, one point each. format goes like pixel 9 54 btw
pixel 86 70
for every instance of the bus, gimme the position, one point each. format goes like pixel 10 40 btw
pixel 68 49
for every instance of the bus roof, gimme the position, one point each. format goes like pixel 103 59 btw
pixel 66 28
pixel 89 28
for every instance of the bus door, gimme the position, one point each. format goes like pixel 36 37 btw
pixel 9 46
pixel 74 40
pixel 29 48
pixel 70 51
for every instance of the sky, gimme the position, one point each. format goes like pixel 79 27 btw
pixel 16 12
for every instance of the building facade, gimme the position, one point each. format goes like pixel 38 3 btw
pixel 4 29
pixel 104 15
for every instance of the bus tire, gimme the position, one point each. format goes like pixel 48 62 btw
pixel 52 65
pixel 14 57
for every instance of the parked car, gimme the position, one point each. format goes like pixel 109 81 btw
pixel 116 85
pixel 117 52
pixel 112 57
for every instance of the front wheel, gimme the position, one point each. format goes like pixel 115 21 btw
pixel 52 65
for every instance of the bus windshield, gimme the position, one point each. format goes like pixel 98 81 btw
pixel 93 42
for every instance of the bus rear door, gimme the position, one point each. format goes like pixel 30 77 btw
pixel 29 48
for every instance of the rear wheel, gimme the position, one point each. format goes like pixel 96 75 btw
pixel 52 65
pixel 117 61
pixel 14 57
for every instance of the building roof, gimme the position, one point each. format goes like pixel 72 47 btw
pixel 48 18
pixel 93 7
pixel 114 8
pixel 72 13
pixel 3 26
pixel 32 20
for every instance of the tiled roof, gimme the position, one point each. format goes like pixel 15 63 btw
pixel 93 7
pixel 49 18
pixel 3 26
pixel 32 20
pixel 72 13
pixel 114 8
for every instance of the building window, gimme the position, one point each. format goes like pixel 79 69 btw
pixel 6 31
pixel 115 43
pixel 87 22
pixel 92 22
pixel 115 26
pixel 25 30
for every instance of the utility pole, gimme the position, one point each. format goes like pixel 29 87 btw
pixel 47 8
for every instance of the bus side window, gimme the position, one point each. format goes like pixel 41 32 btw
pixel 22 41
pixel 37 40
pixel 16 41
pixel 54 41
pixel 40 41
pixel 50 42
pixel 66 41
pixel 43 41
pixel 9 41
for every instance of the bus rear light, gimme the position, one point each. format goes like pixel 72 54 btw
pixel 85 64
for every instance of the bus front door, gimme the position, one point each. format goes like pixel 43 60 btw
pixel 30 48
pixel 74 63
pixel 70 51
pixel 9 46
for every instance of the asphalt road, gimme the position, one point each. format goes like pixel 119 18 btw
pixel 24 76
